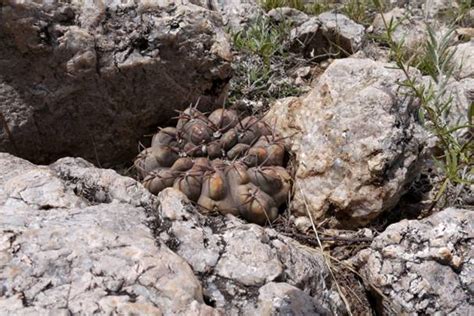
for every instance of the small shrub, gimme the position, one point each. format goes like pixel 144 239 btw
pixel 455 155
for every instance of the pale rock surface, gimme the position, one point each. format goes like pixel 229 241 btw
pixel 239 262
pixel 327 35
pixel 356 141
pixel 284 299
pixel 424 266
pixel 89 78
pixel 463 60
pixel 342 31
pixel 236 13
pixel 460 94
pixel 438 9
pixel 288 15
pixel 430 9
pixel 75 239
pixel 409 28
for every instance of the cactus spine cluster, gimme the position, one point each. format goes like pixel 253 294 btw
pixel 221 162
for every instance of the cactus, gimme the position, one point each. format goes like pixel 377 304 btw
pixel 220 162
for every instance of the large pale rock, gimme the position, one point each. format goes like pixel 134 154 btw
pixel 236 14
pixel 463 60
pixel 440 8
pixel 356 141
pixel 89 78
pixel 342 31
pixel 409 29
pixel 245 268
pixel 459 94
pixel 288 15
pixel 284 299
pixel 328 35
pixel 74 239
pixel 424 266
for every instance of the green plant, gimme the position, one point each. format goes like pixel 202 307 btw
pixel 272 4
pixel 314 7
pixel 262 38
pixel 455 157
pixel 359 10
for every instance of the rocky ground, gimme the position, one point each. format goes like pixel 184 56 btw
pixel 379 220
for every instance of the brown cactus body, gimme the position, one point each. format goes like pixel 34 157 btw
pixel 221 163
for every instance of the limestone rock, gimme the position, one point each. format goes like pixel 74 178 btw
pixel 235 260
pixel 356 141
pixel 440 8
pixel 409 28
pixel 286 15
pixel 424 266
pixel 463 60
pixel 342 31
pixel 327 35
pixel 284 299
pixel 74 239
pixel 460 94
pixel 236 13
pixel 76 77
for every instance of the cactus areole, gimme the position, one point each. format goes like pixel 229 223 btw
pixel 221 162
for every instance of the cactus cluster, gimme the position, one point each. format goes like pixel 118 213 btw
pixel 221 162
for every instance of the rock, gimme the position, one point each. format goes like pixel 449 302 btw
pixel 463 60
pixel 424 266
pixel 440 9
pixel 236 13
pixel 288 15
pixel 468 87
pixel 468 19
pixel 73 239
pixel 460 94
pixel 356 140
pixel 465 33
pixel 239 262
pixel 342 31
pixel 410 29
pixel 88 79
pixel 284 299
pixel 329 34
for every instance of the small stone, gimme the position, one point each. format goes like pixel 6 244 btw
pixel 303 223
pixel 445 254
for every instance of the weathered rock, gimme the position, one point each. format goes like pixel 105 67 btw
pixel 288 15
pixel 75 77
pixel 440 9
pixel 465 33
pixel 424 266
pixel 342 31
pixel 239 262
pixel 73 239
pixel 463 60
pixel 328 35
pixel 468 19
pixel 284 299
pixel 410 29
pixel 459 94
pixel 236 13
pixel 356 140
